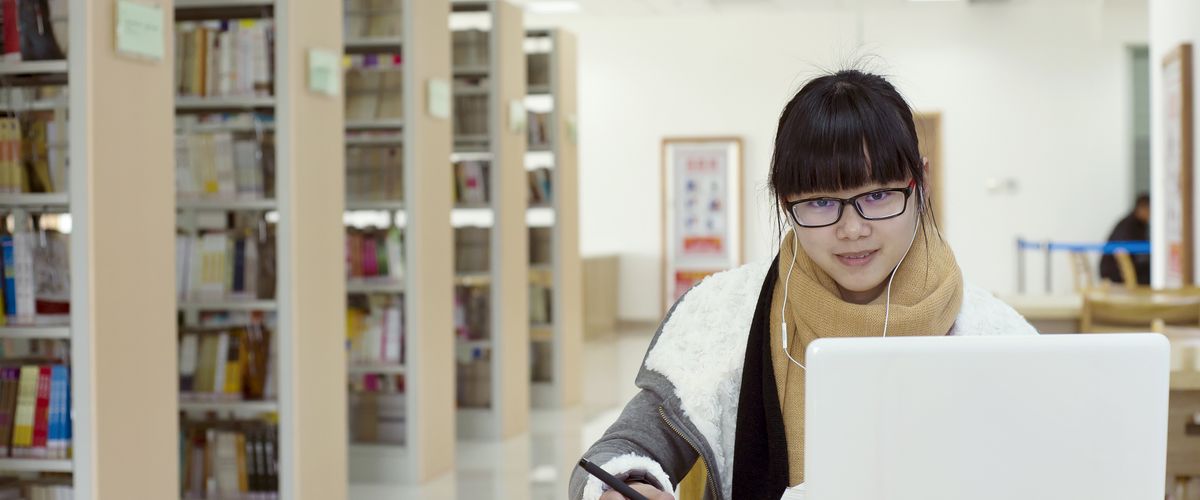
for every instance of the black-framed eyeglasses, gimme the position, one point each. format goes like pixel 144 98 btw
pixel 879 204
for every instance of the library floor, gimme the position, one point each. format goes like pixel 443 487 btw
pixel 537 465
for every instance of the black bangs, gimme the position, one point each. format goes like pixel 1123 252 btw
pixel 843 131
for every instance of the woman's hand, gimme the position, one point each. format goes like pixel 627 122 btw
pixel 646 490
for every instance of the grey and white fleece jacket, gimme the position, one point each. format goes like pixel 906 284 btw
pixel 690 383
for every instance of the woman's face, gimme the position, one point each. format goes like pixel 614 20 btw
pixel 859 254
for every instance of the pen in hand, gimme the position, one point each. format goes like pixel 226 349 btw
pixel 611 481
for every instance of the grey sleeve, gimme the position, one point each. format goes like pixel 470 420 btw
pixel 640 430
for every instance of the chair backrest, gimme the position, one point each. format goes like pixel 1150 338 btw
pixel 1121 310
pixel 1081 272
pixel 1125 265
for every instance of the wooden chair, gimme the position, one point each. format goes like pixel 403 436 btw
pixel 1137 310
pixel 1128 271
pixel 1081 272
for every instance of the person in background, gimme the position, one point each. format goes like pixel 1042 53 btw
pixel 1134 227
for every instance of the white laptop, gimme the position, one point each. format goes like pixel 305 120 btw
pixel 1048 417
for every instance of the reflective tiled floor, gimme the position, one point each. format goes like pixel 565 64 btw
pixel 537 465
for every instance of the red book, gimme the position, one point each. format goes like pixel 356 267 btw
pixel 12 34
pixel 41 415
pixel 370 265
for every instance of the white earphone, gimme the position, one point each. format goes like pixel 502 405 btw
pixel 887 311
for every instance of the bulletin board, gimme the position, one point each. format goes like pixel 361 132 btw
pixel 702 219
pixel 1178 151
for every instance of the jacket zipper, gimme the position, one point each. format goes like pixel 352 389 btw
pixel 708 473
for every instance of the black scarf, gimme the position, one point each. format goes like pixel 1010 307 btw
pixel 760 456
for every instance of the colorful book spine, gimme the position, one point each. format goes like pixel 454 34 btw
pixel 59 418
pixel 10 276
pixel 12 32
pixel 41 417
pixel 22 439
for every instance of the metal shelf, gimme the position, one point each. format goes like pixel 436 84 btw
pixel 35 465
pixel 230 305
pixel 57 67
pixel 35 332
pixel 470 90
pixel 382 369
pixel 374 45
pixel 367 286
pixel 472 70
pixel 209 205
pixel 59 201
pixel 392 139
pixel 390 206
pixel 230 406
pixel 376 124
pixel 539 90
pixel 221 103
pixel 473 279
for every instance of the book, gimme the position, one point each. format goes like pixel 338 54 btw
pixel 41 415
pixel 60 394
pixel 24 243
pixel 233 366
pixel 391 97
pixel 9 379
pixel 12 34
pixel 224 58
pixel 10 275
pixel 27 395
pixel 189 350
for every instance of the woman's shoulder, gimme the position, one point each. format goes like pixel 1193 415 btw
pixel 984 314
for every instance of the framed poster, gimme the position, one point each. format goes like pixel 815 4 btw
pixel 702 211
pixel 1178 150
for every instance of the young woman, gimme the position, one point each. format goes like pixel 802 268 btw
pixel 723 381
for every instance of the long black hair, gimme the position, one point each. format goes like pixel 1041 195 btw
pixel 842 131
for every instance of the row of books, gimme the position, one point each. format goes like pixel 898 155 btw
pixel 35 411
pixel 540 297
pixel 540 249
pixel 375 254
pixel 41 350
pixel 540 191
pixel 226 364
pixel 47 488
pixel 470 48
pixel 378 410
pixel 226 460
pixel 472 249
pixel 472 184
pixel 373 18
pixel 36 275
pixel 537 69
pixel 31 31
pixel 33 154
pixel 470 115
pixel 472 313
pixel 538 128
pixel 473 375
pixel 375 330
pixel 374 88
pixel 225 58
pixel 260 124
pixel 224 165
pixel 225 265
pixel 541 362
pixel 375 173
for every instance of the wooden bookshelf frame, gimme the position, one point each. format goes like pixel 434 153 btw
pixel 566 268
pixel 428 280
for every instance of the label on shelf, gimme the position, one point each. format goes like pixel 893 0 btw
pixel 140 30
pixel 324 72
pixel 439 98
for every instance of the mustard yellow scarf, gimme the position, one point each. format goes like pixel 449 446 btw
pixel 926 297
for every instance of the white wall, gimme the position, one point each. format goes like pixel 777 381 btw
pixel 1035 92
pixel 1171 22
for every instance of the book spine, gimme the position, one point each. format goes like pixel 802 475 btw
pixel 10 275
pixel 188 351
pixel 12 32
pixel 26 408
pixel 41 420
pixel 220 357
pixel 9 378
pixel 24 243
